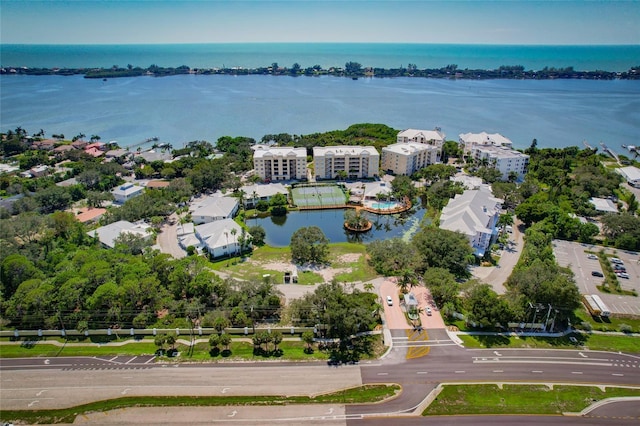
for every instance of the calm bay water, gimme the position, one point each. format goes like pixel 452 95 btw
pixel 279 229
pixel 184 108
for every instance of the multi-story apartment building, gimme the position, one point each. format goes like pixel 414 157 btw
pixel 474 213
pixel 405 158
pixel 431 137
pixel 280 163
pixel 469 140
pixel 353 162
pixel 503 159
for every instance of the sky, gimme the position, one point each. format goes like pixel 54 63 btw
pixel 397 21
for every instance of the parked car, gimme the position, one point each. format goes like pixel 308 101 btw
pixel 597 274
pixel 428 311
pixel 592 257
pixel 618 268
pixel 389 301
pixel 617 261
pixel 623 275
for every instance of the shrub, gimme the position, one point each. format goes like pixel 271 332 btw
pixel 586 325
pixel 626 328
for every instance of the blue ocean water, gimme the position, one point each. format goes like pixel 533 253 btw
pixel 384 55
pixel 184 108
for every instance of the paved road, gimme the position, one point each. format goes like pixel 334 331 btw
pixel 70 381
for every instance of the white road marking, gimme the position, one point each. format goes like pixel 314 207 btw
pixel 131 360
pixel 498 371
pixel 576 372
pixel 41 392
pixel 150 360
pixel 124 392
pixel 582 355
pixel 617 374
pixel 225 390
pixel 536 371
pixel 459 371
pixel 233 414
pixel 33 402
pixel 497 353
pixel 330 411
pixel 383 374
pixel 421 372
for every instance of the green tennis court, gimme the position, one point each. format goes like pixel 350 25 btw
pixel 318 196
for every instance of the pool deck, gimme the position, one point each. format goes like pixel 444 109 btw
pixel 402 208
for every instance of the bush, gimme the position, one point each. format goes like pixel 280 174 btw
pixel 626 328
pixel 586 325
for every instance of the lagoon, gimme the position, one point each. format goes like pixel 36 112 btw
pixel 279 229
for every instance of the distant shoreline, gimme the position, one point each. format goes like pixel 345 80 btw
pixel 352 70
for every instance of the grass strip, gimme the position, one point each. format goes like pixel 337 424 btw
pixel 519 399
pixel 594 342
pixel 358 395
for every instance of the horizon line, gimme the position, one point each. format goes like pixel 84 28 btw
pixel 324 42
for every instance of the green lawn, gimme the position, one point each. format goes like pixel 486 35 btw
pixel 201 352
pixel 363 394
pixel 519 399
pixel 591 341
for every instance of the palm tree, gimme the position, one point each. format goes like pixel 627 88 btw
pixel 504 220
pixel 254 195
pixel 234 231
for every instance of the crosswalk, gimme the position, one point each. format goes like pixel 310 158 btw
pixel 418 342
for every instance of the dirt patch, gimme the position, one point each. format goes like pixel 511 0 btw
pixel 326 272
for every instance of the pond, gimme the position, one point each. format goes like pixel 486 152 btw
pixel 279 229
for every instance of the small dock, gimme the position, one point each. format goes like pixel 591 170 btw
pixel 609 151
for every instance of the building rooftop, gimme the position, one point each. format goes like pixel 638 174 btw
pixel 485 138
pixel 286 151
pixel 630 173
pixel 344 150
pixel 435 135
pixel 408 148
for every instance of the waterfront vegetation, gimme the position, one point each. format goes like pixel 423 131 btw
pixel 359 395
pixel 351 69
pixel 517 399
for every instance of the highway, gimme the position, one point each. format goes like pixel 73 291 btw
pixel 31 383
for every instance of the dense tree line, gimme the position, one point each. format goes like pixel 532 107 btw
pixel 351 69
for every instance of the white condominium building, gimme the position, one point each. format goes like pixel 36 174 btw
pixel 280 163
pixel 469 140
pixel 355 162
pixel 405 158
pixel 505 160
pixel 474 213
pixel 431 137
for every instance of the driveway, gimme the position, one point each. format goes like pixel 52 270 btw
pixel 497 275
pixel 395 315
pixel 168 238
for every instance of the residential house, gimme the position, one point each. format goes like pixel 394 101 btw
pixel 474 213
pixel 352 162
pixel 213 208
pixel 220 238
pixel 280 163
pixel 257 192
pixel 631 174
pixel 108 234
pixel 604 205
pixel 126 192
pixel 405 158
pixel 89 214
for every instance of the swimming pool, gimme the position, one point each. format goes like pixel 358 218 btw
pixel 385 205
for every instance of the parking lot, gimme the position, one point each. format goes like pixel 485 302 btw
pixel 575 256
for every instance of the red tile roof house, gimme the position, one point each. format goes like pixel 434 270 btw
pixel 93 151
pixel 89 214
